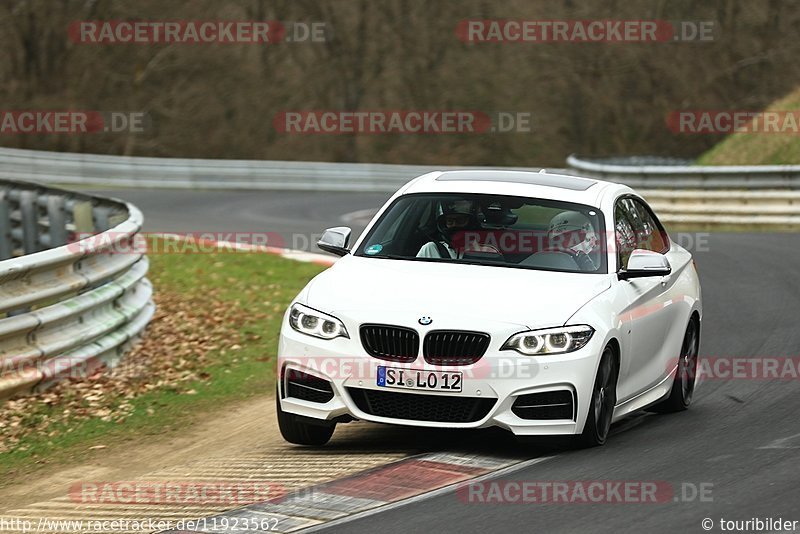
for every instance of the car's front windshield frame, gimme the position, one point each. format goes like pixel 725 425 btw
pixel 359 251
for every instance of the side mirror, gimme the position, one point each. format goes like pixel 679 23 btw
pixel 335 240
pixel 643 263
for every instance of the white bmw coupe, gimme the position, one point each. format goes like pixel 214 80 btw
pixel 544 304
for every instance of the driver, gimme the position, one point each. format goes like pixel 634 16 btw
pixel 572 232
pixel 456 217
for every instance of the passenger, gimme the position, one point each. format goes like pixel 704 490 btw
pixel 572 232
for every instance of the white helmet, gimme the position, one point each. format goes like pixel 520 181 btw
pixel 573 230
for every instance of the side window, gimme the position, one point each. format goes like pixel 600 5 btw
pixel 655 237
pixel 636 222
pixel 400 220
pixel 625 235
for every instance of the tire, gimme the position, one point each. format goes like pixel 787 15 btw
pixel 680 397
pixel 601 403
pixel 303 430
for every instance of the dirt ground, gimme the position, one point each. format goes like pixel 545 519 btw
pixel 240 444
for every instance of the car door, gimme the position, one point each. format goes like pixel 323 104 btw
pixel 676 308
pixel 645 318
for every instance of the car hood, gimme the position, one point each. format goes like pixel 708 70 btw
pixel 374 289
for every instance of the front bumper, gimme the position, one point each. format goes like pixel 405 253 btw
pixel 501 376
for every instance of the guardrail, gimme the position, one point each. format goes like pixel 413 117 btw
pixel 98 170
pixel 67 305
pixel 681 193
pixel 688 176
pixel 767 209
pixel 762 196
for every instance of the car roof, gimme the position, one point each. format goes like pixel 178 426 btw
pixel 546 185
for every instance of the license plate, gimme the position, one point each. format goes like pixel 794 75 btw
pixel 393 377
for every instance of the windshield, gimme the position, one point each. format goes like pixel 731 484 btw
pixel 493 230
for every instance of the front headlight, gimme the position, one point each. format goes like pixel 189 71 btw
pixel 549 341
pixel 315 323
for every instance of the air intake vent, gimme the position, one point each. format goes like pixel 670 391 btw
pixel 390 343
pixel 418 407
pixel 545 406
pixel 307 387
pixel 454 347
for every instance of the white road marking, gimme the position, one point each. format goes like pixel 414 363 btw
pixel 290 254
pixel 359 215
pixel 783 443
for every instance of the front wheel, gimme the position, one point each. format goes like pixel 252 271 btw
pixel 303 430
pixel 604 398
pixel 680 397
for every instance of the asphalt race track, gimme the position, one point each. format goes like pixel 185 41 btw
pixel 741 435
pixel 741 438
pixel 293 215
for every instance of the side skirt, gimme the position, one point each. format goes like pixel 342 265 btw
pixel 646 398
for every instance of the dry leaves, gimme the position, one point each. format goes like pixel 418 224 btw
pixel 174 352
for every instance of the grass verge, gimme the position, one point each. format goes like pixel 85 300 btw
pixel 759 148
pixel 212 342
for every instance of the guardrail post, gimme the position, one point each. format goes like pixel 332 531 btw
pixel 6 244
pixel 83 217
pixel 101 214
pixel 56 212
pixel 30 230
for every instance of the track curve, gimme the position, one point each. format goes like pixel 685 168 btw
pixel 742 435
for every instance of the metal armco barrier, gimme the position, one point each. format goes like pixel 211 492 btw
pixel 67 305
pixel 92 169
pixel 765 196
pixel 688 176
pixel 770 209
pixel 681 193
